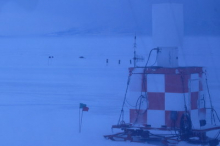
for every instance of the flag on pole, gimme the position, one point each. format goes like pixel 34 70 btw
pixel 82 105
pixel 85 109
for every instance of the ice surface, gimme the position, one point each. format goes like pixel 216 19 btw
pixel 40 96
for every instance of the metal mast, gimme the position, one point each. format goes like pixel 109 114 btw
pixel 135 56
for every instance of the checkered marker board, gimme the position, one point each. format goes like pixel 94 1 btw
pixel 167 90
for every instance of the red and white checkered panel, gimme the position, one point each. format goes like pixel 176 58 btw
pixel 166 89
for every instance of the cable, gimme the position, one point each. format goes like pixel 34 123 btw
pixel 122 109
pixel 139 103
pixel 208 89
pixel 155 60
pixel 184 93
pixel 150 55
pixel 130 104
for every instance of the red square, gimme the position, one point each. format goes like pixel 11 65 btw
pixel 200 82
pixel 176 83
pixel 138 83
pixel 194 100
pixel 138 116
pixel 156 101
pixel 170 122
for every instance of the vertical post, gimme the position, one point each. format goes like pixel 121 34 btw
pixel 135 57
pixel 84 108
pixel 79 121
pixel 106 61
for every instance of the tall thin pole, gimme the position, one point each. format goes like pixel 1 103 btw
pixel 135 57
pixel 79 121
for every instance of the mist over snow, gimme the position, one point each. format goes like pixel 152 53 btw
pixel 40 96
pixel 53 57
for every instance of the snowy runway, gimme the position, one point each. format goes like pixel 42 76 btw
pixel 40 96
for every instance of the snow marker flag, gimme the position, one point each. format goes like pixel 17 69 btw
pixel 84 107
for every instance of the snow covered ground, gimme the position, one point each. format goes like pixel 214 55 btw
pixel 43 80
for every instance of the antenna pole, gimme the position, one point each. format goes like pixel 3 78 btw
pixel 135 57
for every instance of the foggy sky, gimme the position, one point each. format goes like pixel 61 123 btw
pixel 29 17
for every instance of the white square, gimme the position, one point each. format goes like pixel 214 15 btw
pixel 156 118
pixel 135 83
pixel 195 118
pixel 201 100
pixel 155 83
pixel 193 85
pixel 194 76
pixel 175 101
pixel 132 97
